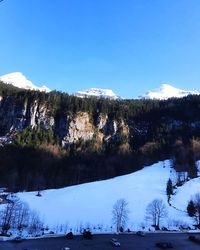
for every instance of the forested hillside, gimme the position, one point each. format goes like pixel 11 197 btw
pixel 51 140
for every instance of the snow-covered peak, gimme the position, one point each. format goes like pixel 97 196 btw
pixel 17 79
pixel 167 91
pixel 100 93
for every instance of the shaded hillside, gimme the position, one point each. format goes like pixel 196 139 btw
pixel 60 140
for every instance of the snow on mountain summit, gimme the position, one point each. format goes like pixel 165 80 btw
pixel 17 79
pixel 167 91
pixel 96 92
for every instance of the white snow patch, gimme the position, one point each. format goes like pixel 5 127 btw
pixel 185 193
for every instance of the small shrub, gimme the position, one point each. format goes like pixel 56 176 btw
pixel 87 235
pixel 70 236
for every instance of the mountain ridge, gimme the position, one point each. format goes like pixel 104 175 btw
pixel 164 92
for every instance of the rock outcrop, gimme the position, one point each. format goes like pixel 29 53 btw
pixel 17 115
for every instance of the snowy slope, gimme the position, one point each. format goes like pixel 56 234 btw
pixel 92 203
pixel 100 93
pixel 167 91
pixel 185 193
pixel 17 79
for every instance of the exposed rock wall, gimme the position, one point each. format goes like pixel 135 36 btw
pixel 69 128
pixel 78 127
pixel 19 115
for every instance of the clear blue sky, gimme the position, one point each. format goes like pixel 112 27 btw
pixel 130 46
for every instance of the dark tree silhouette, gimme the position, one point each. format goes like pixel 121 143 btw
pixel 191 209
pixel 169 189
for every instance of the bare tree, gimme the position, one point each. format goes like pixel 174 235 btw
pixel 35 224
pixel 22 214
pixel 15 214
pixel 155 211
pixel 7 215
pixel 120 213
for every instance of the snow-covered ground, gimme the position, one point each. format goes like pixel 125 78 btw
pixel 91 203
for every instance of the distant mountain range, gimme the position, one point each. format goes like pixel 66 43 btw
pixel 167 91
pixel 164 92
pixel 17 79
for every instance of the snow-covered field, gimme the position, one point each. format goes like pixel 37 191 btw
pixel 91 204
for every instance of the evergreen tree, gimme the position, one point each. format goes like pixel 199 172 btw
pixel 191 209
pixel 192 165
pixel 169 189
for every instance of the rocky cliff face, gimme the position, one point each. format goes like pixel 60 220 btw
pixel 76 127
pixel 18 115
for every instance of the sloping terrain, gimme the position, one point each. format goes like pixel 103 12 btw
pixel 91 203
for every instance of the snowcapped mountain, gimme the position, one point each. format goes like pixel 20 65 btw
pixel 100 93
pixel 17 79
pixel 167 91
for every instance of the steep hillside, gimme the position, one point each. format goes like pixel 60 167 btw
pixel 91 204
pixel 54 140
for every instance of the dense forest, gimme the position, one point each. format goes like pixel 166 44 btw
pixel 41 157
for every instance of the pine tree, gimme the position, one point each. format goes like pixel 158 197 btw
pixel 192 165
pixel 191 209
pixel 169 189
